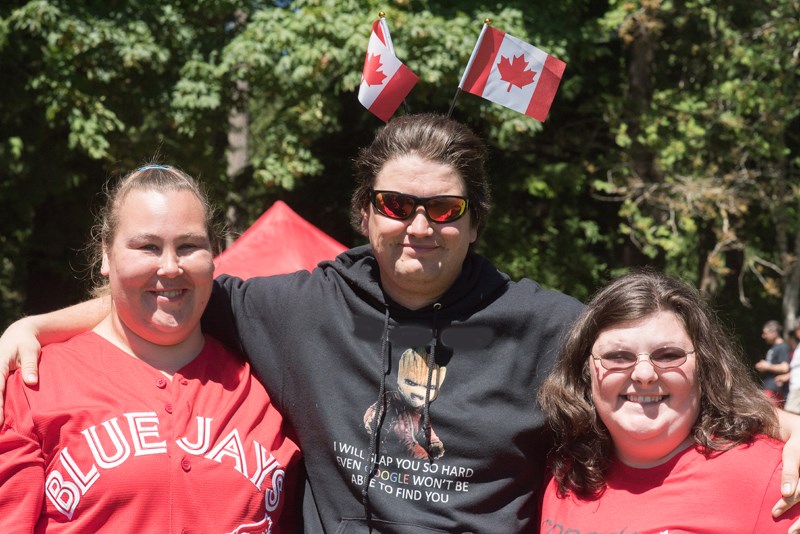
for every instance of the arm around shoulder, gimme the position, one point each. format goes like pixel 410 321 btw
pixel 21 342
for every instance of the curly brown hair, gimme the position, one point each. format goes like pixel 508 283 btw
pixel 733 409
pixel 431 137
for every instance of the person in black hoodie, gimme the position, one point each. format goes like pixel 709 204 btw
pixel 356 352
pixel 329 345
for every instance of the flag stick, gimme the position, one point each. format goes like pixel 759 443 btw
pixel 453 105
pixel 486 23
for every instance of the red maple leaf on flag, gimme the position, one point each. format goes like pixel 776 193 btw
pixel 514 71
pixel 372 74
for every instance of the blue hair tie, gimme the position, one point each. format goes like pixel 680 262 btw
pixel 148 167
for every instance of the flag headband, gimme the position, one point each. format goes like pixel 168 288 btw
pixel 385 80
pixel 502 69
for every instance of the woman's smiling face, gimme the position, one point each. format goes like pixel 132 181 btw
pixel 160 265
pixel 649 412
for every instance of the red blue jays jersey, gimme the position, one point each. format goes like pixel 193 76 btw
pixel 108 443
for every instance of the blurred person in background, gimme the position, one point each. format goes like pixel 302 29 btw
pixel 775 363
pixel 793 376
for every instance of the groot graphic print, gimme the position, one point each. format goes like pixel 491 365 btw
pixel 405 407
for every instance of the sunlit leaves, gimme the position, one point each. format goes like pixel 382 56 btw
pixel 97 87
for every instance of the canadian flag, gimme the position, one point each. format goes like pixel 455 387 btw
pixel 385 81
pixel 512 73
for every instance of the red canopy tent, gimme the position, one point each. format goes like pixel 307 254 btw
pixel 280 241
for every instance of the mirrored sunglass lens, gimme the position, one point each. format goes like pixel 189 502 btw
pixel 445 209
pixel 394 205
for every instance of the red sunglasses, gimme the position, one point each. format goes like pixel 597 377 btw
pixel 401 206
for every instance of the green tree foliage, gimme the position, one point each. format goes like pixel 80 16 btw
pixel 672 140
pixel 709 167
pixel 87 89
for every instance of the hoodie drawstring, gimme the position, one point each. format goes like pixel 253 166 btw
pixel 426 416
pixel 377 419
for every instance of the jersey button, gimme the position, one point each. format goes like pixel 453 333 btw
pixel 184 381
pixel 161 383
pixel 186 465
pixel 168 408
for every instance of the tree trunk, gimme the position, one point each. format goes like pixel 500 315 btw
pixel 791 287
pixel 641 32
pixel 237 155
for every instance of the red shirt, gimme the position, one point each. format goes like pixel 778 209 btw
pixel 109 443
pixel 733 491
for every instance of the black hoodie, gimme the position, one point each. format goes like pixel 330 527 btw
pixel 456 444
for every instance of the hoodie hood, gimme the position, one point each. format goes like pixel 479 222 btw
pixel 478 280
